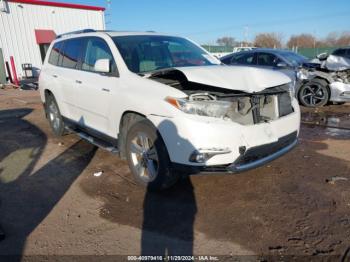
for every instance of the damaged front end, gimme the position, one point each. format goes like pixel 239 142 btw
pixel 331 76
pixel 335 71
pixel 341 76
pixel 240 107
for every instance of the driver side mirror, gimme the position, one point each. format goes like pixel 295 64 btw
pixel 102 66
pixel 322 56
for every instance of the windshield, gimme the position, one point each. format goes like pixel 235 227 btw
pixel 146 53
pixel 294 59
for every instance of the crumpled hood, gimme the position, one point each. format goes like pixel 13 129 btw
pixel 240 78
pixel 337 63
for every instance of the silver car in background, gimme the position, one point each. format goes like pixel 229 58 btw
pixel 314 86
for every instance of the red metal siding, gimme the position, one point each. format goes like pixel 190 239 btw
pixel 57 4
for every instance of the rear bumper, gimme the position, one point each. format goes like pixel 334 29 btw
pixel 252 158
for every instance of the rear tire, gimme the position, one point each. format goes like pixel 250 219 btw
pixel 314 93
pixel 148 157
pixel 54 116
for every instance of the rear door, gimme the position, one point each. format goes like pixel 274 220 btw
pixel 95 90
pixel 51 77
pixel 68 72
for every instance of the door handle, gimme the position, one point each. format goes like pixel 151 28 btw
pixel 55 76
pixel 105 89
pixel 78 81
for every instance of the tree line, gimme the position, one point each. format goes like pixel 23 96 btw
pixel 275 40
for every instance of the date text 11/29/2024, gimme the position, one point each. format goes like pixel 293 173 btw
pixel 173 258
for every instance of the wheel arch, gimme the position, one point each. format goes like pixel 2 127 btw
pixel 327 86
pixel 126 121
pixel 47 92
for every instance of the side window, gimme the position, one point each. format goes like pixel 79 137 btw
pixel 243 59
pixel 71 53
pixel 339 52
pixel 97 48
pixel 265 59
pixel 55 53
pixel 227 60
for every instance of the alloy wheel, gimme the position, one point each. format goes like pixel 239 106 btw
pixel 144 157
pixel 313 95
pixel 54 116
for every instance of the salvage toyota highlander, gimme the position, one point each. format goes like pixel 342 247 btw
pixel 166 105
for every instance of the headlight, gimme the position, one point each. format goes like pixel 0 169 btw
pixel 211 108
pixel 291 87
pixel 302 74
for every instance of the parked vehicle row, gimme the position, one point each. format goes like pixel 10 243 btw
pixel 316 84
pixel 166 105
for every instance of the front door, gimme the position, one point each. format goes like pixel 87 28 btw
pixel 95 89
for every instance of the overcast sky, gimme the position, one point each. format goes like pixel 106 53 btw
pixel 204 21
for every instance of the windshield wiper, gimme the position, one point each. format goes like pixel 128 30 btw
pixel 161 71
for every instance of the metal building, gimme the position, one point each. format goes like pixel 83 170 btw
pixel 27 27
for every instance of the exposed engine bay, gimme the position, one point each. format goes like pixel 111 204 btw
pixel 238 106
pixel 342 76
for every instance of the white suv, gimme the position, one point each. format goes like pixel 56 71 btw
pixel 166 105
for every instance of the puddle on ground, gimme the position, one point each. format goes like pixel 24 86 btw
pixel 335 125
pixel 338 133
pixel 341 120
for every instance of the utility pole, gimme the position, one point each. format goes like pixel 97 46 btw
pixel 315 51
pixel 246 31
pixel 107 13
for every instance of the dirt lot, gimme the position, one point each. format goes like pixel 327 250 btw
pixel 52 204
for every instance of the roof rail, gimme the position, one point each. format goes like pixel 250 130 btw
pixel 76 32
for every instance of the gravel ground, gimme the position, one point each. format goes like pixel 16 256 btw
pixel 51 204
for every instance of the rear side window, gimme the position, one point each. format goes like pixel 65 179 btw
pixel 265 59
pixel 97 48
pixel 348 53
pixel 72 52
pixel 339 52
pixel 55 53
pixel 243 59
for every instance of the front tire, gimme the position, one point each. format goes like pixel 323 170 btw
pixel 314 93
pixel 54 116
pixel 148 157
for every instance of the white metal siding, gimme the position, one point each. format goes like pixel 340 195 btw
pixel 17 35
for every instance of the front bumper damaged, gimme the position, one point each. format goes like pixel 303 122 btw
pixel 252 158
pixel 232 147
